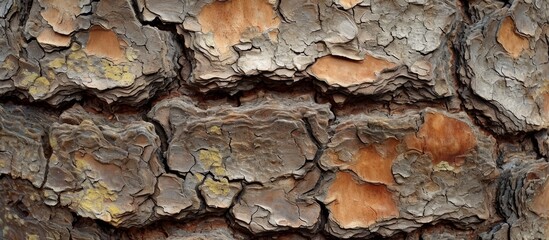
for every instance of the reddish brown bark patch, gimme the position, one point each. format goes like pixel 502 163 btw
pixel 444 138
pixel 104 43
pixel 228 20
pixel 372 163
pixel 346 72
pixel 353 204
pixel 511 41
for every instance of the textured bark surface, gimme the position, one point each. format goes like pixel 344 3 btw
pixel 274 119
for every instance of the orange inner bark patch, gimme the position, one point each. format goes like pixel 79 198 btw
pixel 228 20
pixel 346 72
pixel 104 43
pixel 540 205
pixel 347 4
pixel 444 138
pixel 353 204
pixel 372 163
pixel 511 41
pixel 61 15
pixel 49 37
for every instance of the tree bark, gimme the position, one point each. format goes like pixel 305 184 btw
pixel 262 119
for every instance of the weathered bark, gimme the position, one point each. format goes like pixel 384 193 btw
pixel 262 119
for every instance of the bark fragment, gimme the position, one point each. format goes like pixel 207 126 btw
pixel 281 205
pixel 86 48
pixel 211 119
pixel 103 170
pixel 232 142
pixel 392 169
pixel 23 215
pixel 229 144
pixel 294 40
pixel 522 196
pixel 505 68
pixel 22 150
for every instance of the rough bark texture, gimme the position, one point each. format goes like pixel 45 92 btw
pixel 262 119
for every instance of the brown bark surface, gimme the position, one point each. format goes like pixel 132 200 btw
pixel 274 119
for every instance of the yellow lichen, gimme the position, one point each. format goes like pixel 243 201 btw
pixel 32 237
pixel 41 81
pixel 127 78
pixel 214 130
pixel 34 197
pixel 219 171
pixel 53 142
pixel 131 54
pixel 54 159
pixel 199 177
pixel 79 62
pixel 57 63
pixel 74 61
pixel 75 46
pixel 112 72
pixel 80 161
pixel 117 72
pixel 77 55
pixel 210 157
pixel 444 166
pixel 8 64
pixel 28 78
pixel 221 187
pixel 36 84
pixel 99 200
pixel 114 210
pixel 39 87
